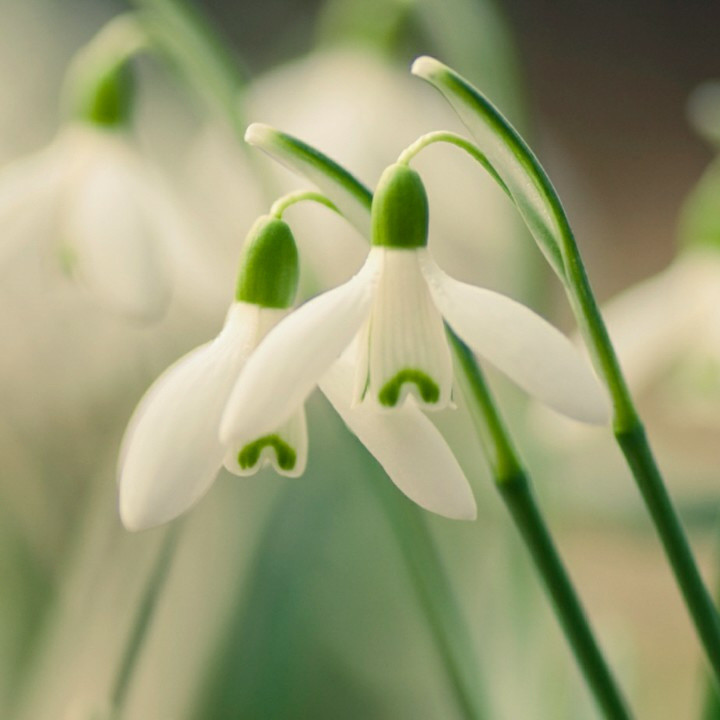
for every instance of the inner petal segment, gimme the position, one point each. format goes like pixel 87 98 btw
pixel 407 351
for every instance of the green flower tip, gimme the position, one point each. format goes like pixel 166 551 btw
pixel 269 265
pixel 400 209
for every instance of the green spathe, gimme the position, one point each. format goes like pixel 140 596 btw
pixel 269 265
pixel 400 209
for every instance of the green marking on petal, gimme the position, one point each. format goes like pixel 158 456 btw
pixel 250 454
pixel 428 388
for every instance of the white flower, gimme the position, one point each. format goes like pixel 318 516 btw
pixel 392 312
pixel 666 331
pixel 107 215
pixel 172 452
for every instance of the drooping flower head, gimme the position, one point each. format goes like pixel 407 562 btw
pixel 102 208
pixel 172 451
pixel 393 313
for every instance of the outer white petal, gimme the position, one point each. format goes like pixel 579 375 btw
pixel 287 365
pixel 409 447
pixel 171 452
pixel 109 228
pixel 533 353
pixel 293 433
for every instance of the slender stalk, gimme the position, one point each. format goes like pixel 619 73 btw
pixel 287 201
pixel 143 618
pixel 437 601
pixel 192 45
pixel 631 437
pixel 514 487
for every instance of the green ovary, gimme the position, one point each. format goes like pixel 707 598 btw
pixel 250 454
pixel 428 388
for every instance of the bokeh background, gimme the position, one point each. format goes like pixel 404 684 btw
pixel 292 599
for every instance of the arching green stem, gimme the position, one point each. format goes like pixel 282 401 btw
pixel 286 201
pixel 540 207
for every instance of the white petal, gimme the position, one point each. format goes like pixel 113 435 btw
pixel 351 199
pixel 110 230
pixel 171 452
pixel 285 368
pixel 290 459
pixel 29 190
pixel 409 447
pixel 533 353
pixel 656 321
pixel 406 336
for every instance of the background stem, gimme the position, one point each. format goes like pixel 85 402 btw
pixel 143 619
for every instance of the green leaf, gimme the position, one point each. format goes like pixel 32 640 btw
pixel 348 194
pixel 529 186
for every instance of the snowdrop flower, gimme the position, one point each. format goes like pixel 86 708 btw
pixel 392 313
pixel 667 333
pixel 172 451
pixel 105 210
pixel 102 207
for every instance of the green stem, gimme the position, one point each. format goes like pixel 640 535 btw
pixel 286 201
pixel 514 487
pixel 637 452
pixel 143 619
pixel 191 44
pixel 458 141
pixel 631 438
pixel 432 586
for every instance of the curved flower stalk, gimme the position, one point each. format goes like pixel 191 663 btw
pixel 541 209
pixel 101 207
pixel 171 452
pixel 393 312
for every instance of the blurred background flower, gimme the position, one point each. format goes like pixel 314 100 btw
pixel 290 598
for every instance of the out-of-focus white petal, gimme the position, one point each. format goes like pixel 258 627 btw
pixel 29 190
pixel 285 450
pixel 406 338
pixel 655 321
pixel 171 452
pixel 286 366
pixel 529 350
pixel 110 232
pixel 409 447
